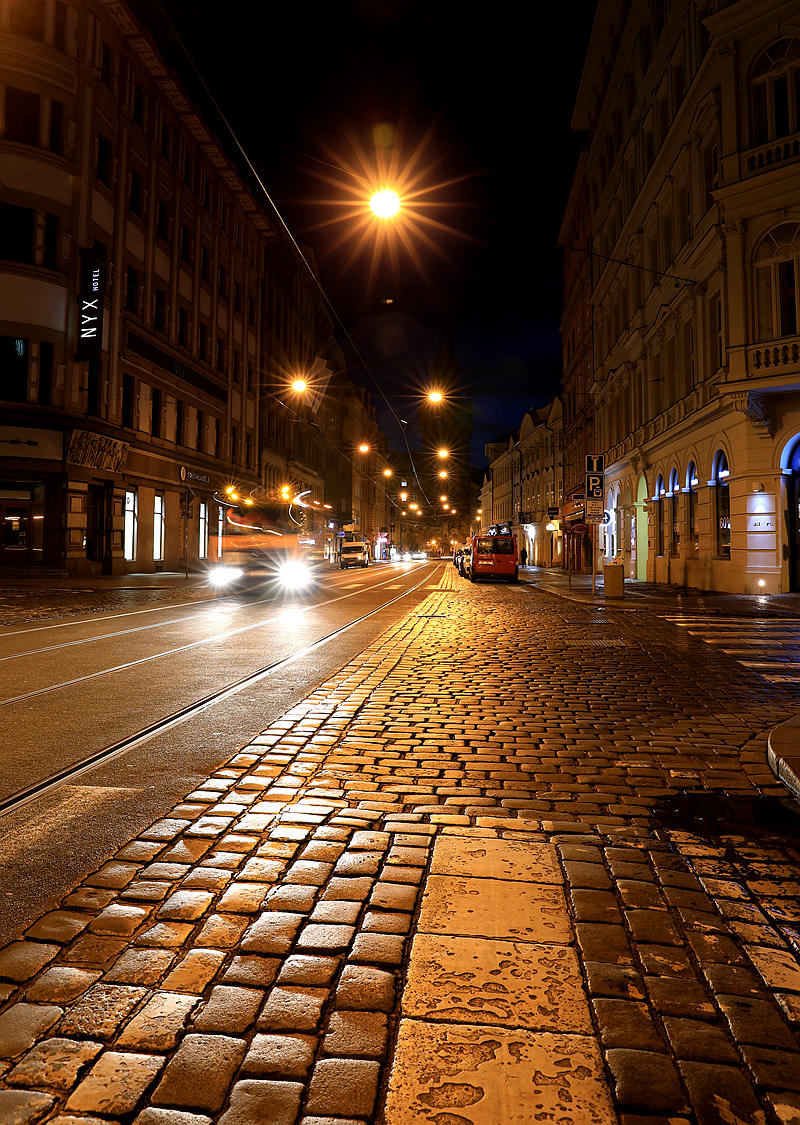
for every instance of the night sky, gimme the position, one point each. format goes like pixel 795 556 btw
pixel 471 107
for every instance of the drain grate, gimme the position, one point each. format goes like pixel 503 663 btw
pixel 594 642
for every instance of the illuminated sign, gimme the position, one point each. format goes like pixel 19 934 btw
pixel 90 306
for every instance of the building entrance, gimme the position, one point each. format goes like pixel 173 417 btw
pixel 793 529
pixel 22 535
pixel 642 545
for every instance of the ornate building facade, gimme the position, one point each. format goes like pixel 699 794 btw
pixel 151 316
pixel 692 113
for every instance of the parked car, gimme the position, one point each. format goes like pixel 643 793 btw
pixel 494 556
pixel 354 554
pixel 463 562
pixel 457 556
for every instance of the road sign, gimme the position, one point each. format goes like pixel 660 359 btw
pixel 594 486
pixel 606 516
pixel 594 511
pixel 595 463
pixel 553 513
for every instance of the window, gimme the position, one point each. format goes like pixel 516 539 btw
pixel 132 290
pixel 55 140
pixel 14 351
pixel 22 116
pixel 17 225
pixel 659 503
pixel 179 422
pixel 710 170
pixel 138 106
pixel 158 411
pixel 202 342
pixel 248 451
pixel 135 194
pixel 202 544
pixel 186 244
pixel 103 159
pixel 222 283
pixel 106 65
pixel 44 393
pixel 692 524
pixel 201 427
pixel 162 220
pixel 128 402
pixel 777 265
pixel 50 247
pixel 674 514
pixel 204 264
pixel 159 527
pixel 166 140
pixel 130 534
pixel 775 92
pixel 216 437
pixel 188 169
pixel 716 349
pixel 183 327
pixel 160 310
pixel 220 356
pixel 722 505
pixel 60 26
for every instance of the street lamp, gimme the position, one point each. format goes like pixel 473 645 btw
pixel 387 472
pixel 435 396
pixel 363 448
pixel 443 473
pixel 385 204
pixel 299 386
pixel 444 453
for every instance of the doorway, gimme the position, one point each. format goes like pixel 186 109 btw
pixel 22 536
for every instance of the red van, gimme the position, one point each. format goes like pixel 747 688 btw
pixel 494 556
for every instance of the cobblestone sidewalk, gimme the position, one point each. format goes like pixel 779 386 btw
pixel 520 860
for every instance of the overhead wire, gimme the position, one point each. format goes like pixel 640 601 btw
pixel 287 231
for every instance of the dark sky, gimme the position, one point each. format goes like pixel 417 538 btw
pixel 471 104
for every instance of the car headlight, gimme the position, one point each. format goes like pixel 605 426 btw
pixel 295 575
pixel 224 575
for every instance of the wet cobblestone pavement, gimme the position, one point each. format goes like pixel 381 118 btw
pixel 521 860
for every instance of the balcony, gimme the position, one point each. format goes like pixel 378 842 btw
pixel 771 154
pixel 778 356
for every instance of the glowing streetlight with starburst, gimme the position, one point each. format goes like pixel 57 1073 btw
pixel 385 204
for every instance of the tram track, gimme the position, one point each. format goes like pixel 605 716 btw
pixel 72 772
pixel 214 638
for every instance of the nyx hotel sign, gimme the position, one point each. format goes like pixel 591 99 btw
pixel 90 306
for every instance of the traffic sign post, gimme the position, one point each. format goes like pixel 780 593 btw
pixel 595 488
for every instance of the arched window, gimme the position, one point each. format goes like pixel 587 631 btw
pixel 692 524
pixel 722 505
pixel 775 92
pixel 777 268
pixel 674 492
pixel 659 501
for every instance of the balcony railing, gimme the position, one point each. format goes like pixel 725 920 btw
pixel 775 152
pixel 777 355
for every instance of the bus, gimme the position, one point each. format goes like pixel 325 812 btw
pixel 265 542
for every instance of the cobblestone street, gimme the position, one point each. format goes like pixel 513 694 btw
pixel 523 859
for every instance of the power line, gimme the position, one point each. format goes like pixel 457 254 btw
pixel 328 303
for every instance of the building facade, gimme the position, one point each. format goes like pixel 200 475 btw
pixel 692 113
pixel 151 318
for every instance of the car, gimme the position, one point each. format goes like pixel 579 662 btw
pixel 419 554
pixel 494 556
pixel 353 554
pixel 457 557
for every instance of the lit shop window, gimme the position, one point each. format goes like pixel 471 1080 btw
pixel 692 523
pixel 131 528
pixel 722 497
pixel 659 504
pixel 674 510
pixel 202 545
pixel 159 523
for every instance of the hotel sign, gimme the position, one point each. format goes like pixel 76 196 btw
pixel 90 306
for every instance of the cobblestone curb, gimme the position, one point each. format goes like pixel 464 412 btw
pixel 450 880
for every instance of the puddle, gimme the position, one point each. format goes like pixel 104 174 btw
pixel 724 814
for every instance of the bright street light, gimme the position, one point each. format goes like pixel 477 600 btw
pixel 385 203
pixel 363 448
pixel 443 473
pixel 404 496
pixel 444 453
pixel 442 497
pixel 299 385
pixel 387 472
pixel 435 396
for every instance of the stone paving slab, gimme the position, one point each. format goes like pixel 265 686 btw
pixel 531 876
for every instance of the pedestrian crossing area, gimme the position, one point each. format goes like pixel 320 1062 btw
pixel 768 646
